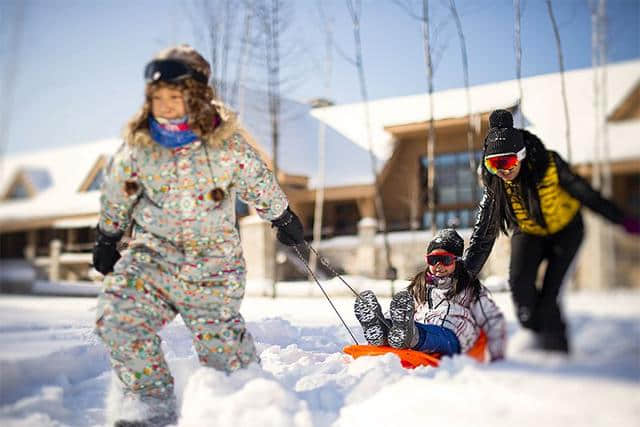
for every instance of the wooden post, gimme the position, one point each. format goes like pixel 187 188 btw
pixel 258 246
pixel 55 248
pixel 32 245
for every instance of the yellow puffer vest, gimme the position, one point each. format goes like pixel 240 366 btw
pixel 558 207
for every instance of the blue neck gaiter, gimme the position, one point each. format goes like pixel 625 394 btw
pixel 171 133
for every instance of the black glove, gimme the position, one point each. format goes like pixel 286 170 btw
pixel 105 253
pixel 290 230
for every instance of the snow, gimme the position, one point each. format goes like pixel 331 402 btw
pixel 55 372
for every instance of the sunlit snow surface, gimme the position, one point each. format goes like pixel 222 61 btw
pixel 54 371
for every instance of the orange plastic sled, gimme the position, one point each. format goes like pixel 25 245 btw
pixel 411 358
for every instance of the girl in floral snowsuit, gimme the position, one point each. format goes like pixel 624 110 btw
pixel 174 182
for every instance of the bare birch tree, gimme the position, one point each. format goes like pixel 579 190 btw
pixel 355 12
pixel 327 25
pixel 431 139
pixel 270 15
pixel 216 23
pixel 596 172
pixel 517 45
pixel 607 179
pixel 244 55
pixel 465 70
pixel 565 101
pixel 431 56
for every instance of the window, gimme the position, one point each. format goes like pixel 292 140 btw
pixel 455 186
pixel 462 218
pixel 19 191
pixel 242 209
pixel 96 183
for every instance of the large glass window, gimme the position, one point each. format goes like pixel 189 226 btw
pixel 457 218
pixel 455 186
pixel 19 191
pixel 97 181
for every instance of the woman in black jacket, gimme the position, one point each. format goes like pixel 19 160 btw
pixel 532 192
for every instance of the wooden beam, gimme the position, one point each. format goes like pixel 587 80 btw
pixel 621 167
pixel 408 130
pixel 629 108
pixel 350 192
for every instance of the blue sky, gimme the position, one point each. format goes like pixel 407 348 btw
pixel 79 64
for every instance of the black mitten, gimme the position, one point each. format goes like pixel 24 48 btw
pixel 290 230
pixel 105 253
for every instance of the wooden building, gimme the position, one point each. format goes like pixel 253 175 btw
pixel 49 199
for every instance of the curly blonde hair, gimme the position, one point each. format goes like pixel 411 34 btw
pixel 200 99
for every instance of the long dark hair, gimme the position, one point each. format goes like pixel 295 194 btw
pixel 534 166
pixel 418 286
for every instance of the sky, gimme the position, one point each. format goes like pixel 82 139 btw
pixel 78 64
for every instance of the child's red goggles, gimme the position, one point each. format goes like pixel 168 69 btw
pixel 442 258
pixel 504 161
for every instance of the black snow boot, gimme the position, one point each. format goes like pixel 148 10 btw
pixel 554 341
pixel 403 331
pixel 369 313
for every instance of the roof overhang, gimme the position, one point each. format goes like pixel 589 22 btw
pixel 420 128
pixel 629 107
pixel 336 194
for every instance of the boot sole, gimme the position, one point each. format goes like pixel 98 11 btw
pixel 368 311
pixel 402 312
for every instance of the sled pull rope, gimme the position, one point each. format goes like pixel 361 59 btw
pixel 325 294
pixel 325 262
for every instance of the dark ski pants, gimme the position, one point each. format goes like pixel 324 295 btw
pixel 437 339
pixel 539 309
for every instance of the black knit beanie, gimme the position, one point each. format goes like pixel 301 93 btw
pixel 449 240
pixel 502 137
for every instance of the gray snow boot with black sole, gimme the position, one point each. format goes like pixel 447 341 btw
pixel 369 313
pixel 403 330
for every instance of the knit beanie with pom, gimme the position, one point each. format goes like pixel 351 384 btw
pixel 502 137
pixel 449 240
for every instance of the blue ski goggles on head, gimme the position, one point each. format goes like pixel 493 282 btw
pixel 172 71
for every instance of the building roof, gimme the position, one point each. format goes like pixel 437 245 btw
pixel 542 108
pixel 66 168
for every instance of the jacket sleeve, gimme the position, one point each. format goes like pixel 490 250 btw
pixel 256 184
pixel 483 236
pixel 491 320
pixel 579 188
pixel 121 190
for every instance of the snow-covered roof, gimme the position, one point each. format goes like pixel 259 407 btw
pixel 542 108
pixel 66 168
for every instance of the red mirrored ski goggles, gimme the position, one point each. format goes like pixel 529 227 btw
pixel 444 258
pixel 504 161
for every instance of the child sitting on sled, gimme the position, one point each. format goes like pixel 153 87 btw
pixel 441 311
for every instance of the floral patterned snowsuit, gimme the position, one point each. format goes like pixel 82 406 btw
pixel 184 256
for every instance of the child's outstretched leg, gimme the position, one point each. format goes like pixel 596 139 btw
pixel 437 339
pixel 131 310
pixel 403 333
pixel 369 313
pixel 211 311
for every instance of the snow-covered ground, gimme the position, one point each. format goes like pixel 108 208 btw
pixel 54 371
